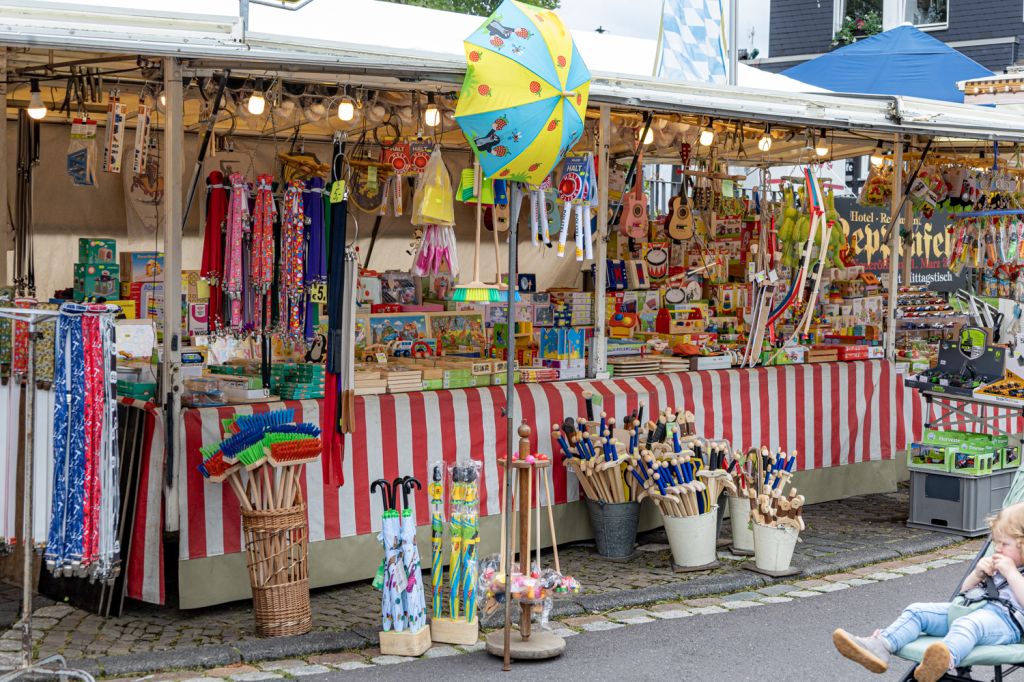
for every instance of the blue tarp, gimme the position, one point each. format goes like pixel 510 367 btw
pixel 901 61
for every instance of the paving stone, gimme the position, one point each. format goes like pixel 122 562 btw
pixel 839 577
pixel 630 613
pixel 304 670
pixel 882 575
pixel 600 626
pixel 563 632
pixel 256 677
pixel 353 665
pixel 808 584
pixel 703 602
pixel 281 665
pixel 831 587
pixel 636 620
pixel 804 593
pixel 742 604
pixel 391 660
pixel 741 596
pixel 910 570
pixel 230 670
pixel 777 589
pixel 775 599
pixel 707 610
pixel 580 621
pixel 441 651
pixel 653 548
pixel 857 582
pixel 671 606
pixel 53 611
pixel 672 614
pixel 480 645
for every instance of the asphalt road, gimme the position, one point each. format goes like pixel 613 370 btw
pixel 790 641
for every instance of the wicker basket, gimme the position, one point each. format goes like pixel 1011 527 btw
pixel 276 553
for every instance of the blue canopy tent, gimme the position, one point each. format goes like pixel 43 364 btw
pixel 901 61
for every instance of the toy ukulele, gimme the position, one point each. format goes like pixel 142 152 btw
pixel 680 222
pixel 633 220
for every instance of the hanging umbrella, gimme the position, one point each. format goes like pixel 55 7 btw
pixel 437 536
pixel 470 539
pixel 524 97
pixel 392 573
pixel 415 604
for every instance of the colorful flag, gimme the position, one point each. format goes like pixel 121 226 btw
pixel 691 44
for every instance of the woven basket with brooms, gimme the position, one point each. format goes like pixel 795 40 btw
pixel 263 460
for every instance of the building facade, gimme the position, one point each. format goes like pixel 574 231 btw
pixel 988 31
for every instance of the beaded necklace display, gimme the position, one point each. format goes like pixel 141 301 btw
pixel 316 256
pixel 262 250
pixel 292 282
pixel 238 215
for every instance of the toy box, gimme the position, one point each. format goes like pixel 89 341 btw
pixel 97 250
pixel 142 266
pixel 399 287
pixel 96 280
pixel 929 456
pixel 195 288
pixel 561 343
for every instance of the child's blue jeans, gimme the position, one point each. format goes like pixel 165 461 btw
pixel 990 624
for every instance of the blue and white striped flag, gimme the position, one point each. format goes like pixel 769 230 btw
pixel 691 45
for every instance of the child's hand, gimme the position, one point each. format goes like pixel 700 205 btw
pixel 1004 564
pixel 986 566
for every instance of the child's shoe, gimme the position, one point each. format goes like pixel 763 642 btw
pixel 871 652
pixel 934 664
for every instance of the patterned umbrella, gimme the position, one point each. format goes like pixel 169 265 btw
pixel 413 601
pixel 524 97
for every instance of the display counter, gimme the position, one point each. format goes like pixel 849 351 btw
pixel 853 415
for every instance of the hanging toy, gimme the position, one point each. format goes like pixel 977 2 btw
pixel 539 225
pixel 433 207
pixel 81 161
pixel 113 146
pixel 398 157
pixel 237 224
pixel 143 124
pixel 575 190
pixel 293 224
pixel 261 258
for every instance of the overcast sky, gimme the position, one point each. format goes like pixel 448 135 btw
pixel 641 18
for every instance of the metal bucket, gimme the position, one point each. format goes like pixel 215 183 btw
pixel 742 535
pixel 615 526
pixel 692 538
pixel 773 547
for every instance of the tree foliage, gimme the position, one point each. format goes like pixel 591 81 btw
pixel 480 7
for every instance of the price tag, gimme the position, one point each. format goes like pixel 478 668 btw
pixel 727 188
pixel 371 178
pixel 337 191
pixel 318 293
pixel 382 358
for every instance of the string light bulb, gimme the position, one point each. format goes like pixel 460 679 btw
pixel 36 108
pixel 707 136
pixel 431 115
pixel 822 148
pixel 765 143
pixel 256 104
pixel 649 136
pixel 876 157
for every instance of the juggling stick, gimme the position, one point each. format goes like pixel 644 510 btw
pixel 551 518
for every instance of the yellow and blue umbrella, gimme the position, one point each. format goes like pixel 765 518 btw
pixel 524 98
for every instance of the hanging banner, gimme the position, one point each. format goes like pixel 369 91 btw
pixel 932 245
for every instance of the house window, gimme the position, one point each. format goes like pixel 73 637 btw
pixel 855 9
pixel 928 13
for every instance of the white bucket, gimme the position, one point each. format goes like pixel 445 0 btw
pixel 773 547
pixel 742 535
pixel 692 538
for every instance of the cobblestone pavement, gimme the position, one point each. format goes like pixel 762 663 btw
pixel 840 535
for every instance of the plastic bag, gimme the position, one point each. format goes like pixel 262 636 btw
pixel 81 160
pixel 433 203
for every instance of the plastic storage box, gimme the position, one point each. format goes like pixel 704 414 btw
pixel 956 503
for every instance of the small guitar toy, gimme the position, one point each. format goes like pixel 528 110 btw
pixel 680 222
pixel 633 221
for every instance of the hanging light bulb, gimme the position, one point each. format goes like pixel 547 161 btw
pixel 822 148
pixel 876 157
pixel 36 108
pixel 649 136
pixel 765 143
pixel 707 136
pixel 431 115
pixel 257 103
pixel 161 101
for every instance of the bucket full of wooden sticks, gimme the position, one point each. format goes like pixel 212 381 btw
pixel 773 546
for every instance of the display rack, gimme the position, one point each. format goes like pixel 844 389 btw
pixel 948 410
pixel 52 666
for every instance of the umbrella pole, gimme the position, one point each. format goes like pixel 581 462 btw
pixel 510 374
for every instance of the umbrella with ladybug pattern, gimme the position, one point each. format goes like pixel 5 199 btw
pixel 524 97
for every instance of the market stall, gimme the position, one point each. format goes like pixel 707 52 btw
pixel 392 429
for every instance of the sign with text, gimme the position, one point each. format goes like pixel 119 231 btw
pixel 932 245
